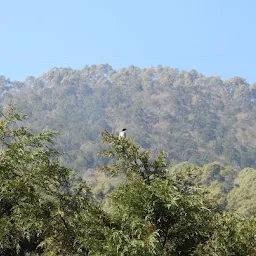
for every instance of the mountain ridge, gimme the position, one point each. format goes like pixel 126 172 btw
pixel 195 118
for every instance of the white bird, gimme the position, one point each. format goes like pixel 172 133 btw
pixel 122 134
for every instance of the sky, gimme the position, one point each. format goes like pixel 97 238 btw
pixel 214 37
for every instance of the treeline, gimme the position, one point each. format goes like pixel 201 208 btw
pixel 195 118
pixel 45 209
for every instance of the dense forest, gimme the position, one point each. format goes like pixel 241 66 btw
pixel 194 118
pixel 157 208
pixel 181 183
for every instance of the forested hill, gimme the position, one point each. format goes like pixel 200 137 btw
pixel 195 118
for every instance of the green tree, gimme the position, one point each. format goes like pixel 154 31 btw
pixel 232 236
pixel 163 216
pixel 44 209
pixel 242 197
pixel 216 179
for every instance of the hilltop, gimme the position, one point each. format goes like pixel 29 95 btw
pixel 194 118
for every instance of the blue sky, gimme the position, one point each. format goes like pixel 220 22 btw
pixel 215 37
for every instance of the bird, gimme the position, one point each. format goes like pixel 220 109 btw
pixel 122 133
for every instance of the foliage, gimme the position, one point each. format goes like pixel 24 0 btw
pixel 194 118
pixel 45 209
pixel 179 214
pixel 232 236
pixel 241 199
pixel 218 180
pixel 41 201
pixel 179 217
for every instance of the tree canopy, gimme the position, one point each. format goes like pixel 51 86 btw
pixel 194 118
pixel 47 210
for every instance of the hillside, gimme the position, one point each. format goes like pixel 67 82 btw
pixel 194 118
pixel 45 209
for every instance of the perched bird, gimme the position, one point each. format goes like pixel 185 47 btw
pixel 122 134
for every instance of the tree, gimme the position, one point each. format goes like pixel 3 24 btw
pixel 216 179
pixel 232 236
pixel 169 216
pixel 241 199
pixel 46 210
pixel 42 204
